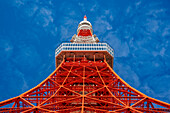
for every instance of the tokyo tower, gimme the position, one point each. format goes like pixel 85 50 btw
pixel 83 82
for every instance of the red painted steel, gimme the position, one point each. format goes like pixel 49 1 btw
pixel 84 32
pixel 83 86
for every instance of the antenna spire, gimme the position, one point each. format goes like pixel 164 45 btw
pixel 85 18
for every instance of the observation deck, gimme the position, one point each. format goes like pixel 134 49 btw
pixel 92 51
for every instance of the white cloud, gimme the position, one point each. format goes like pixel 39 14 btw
pixel 27 57
pixel 72 13
pixel 101 25
pixel 162 52
pixel 157 86
pixel 54 31
pixel 127 74
pixel 31 10
pixel 19 3
pixel 147 89
pixel 25 85
pixel 138 3
pixel 121 48
pixel 41 15
pixel 152 25
pixel 64 33
pixel 46 15
pixel 93 8
pixel 111 17
pixel 156 12
pixel 6 49
pixel 68 29
pixel 166 31
pixel 128 9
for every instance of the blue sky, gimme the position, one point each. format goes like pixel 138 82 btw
pixel 138 30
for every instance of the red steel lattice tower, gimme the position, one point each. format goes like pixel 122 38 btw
pixel 83 82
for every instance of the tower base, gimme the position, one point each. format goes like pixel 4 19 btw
pixel 83 86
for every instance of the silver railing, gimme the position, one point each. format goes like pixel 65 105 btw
pixel 84 47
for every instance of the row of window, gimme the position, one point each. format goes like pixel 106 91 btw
pixel 75 44
pixel 71 46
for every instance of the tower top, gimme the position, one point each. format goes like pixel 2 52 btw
pixel 84 33
pixel 84 43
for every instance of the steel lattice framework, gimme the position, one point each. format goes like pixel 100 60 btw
pixel 83 82
pixel 83 86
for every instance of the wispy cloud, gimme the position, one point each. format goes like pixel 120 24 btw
pixel 101 25
pixel 35 11
pixel 68 28
pixel 127 74
pixel 121 48
pixel 6 49
pixel 46 16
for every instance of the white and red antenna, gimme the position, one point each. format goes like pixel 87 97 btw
pixel 85 18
